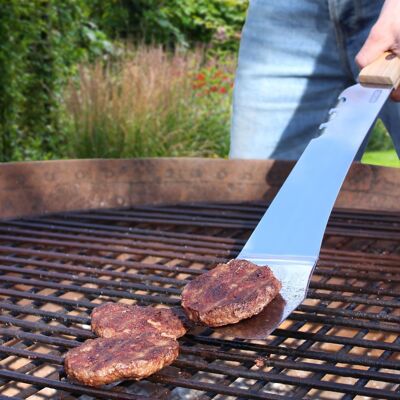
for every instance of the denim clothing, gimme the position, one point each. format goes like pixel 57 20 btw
pixel 295 58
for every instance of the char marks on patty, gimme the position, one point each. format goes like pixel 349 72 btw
pixel 114 319
pixel 229 293
pixel 104 360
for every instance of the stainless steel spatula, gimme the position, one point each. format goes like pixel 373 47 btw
pixel 288 238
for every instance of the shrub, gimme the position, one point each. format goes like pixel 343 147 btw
pixel 173 22
pixel 41 43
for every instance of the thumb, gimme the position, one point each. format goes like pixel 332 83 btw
pixel 374 46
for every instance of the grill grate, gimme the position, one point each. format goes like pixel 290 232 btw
pixel 341 343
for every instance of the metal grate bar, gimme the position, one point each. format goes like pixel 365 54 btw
pixel 316 355
pixel 238 372
pixel 113 231
pixel 114 249
pixel 73 388
pixel 167 220
pixel 92 271
pixel 139 245
pixel 88 290
pixel 20 294
pixel 326 368
pixel 82 280
pixel 97 260
pixel 38 338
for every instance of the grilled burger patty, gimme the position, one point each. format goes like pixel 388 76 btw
pixel 113 319
pixel 229 293
pixel 100 361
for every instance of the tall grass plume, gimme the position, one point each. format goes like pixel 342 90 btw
pixel 150 103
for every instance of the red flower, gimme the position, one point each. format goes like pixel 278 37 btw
pixel 213 89
pixel 223 90
pixel 200 77
pixel 198 85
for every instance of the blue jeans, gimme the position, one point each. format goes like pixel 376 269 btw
pixel 295 58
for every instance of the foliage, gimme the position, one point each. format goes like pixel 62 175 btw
pixel 151 101
pixel 41 43
pixel 149 104
pixel 380 139
pixel 173 22
pixel 156 103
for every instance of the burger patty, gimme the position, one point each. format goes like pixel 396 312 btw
pixel 113 319
pixel 229 293
pixel 104 360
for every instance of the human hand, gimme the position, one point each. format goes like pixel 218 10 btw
pixel 384 36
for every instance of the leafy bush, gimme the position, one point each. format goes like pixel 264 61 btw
pixel 173 22
pixel 41 43
pixel 150 103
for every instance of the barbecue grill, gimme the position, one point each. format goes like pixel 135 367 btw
pixel 75 234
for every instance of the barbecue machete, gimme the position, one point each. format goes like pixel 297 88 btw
pixel 288 237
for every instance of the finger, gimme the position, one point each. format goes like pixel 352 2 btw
pixel 396 95
pixel 374 46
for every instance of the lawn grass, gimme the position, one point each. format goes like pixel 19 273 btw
pixel 380 150
pixel 387 158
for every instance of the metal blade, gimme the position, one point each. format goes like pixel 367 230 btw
pixel 288 238
pixel 295 222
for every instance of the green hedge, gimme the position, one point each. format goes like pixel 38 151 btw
pixel 41 42
pixel 173 22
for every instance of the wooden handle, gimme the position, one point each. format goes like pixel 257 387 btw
pixel 384 71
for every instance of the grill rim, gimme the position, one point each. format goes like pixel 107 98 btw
pixel 43 187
